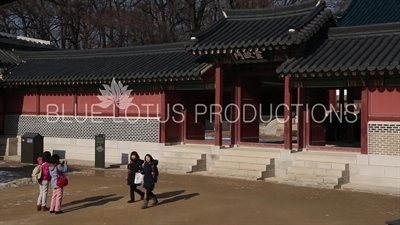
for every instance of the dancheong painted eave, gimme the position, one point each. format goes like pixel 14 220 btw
pixel 367 12
pixel 148 63
pixel 259 29
pixel 359 50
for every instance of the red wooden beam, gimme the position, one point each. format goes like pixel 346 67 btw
pixel 218 106
pixel 384 118
pixel 288 115
pixel 364 120
pixel 257 73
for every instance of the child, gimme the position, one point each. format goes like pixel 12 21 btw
pixel 44 181
pixel 134 166
pixel 57 196
pixel 150 172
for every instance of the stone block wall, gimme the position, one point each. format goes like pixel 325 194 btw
pixel 384 138
pixel 84 149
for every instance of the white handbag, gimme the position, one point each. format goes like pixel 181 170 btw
pixel 138 178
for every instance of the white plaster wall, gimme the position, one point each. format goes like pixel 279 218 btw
pixel 83 149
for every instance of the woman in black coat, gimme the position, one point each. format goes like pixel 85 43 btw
pixel 134 166
pixel 150 172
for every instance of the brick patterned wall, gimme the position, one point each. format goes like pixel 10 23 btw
pixel 384 138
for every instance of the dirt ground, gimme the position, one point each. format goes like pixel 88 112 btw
pixel 100 197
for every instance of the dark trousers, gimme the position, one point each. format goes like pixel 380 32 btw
pixel 133 190
pixel 149 194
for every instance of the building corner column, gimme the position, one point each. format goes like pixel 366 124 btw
pixel 218 105
pixel 364 120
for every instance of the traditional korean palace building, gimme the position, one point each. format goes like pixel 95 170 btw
pixel 260 61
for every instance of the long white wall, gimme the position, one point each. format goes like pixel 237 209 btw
pixel 83 149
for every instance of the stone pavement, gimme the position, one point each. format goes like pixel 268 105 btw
pixel 100 197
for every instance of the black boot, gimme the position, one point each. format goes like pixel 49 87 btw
pixel 145 203
pixel 142 196
pixel 132 198
pixel 155 201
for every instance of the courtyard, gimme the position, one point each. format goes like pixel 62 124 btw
pixel 100 197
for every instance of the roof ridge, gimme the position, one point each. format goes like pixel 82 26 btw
pixel 19 37
pixel 274 11
pixel 364 30
pixel 101 52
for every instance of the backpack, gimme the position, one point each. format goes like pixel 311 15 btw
pixel 37 174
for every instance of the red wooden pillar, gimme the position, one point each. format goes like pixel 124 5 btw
pixel 288 115
pixel 75 101
pixel 350 116
pixel 364 120
pixel 332 99
pixel 2 110
pixel 37 101
pixel 163 117
pixel 307 118
pixel 238 103
pixel 234 113
pixel 218 106
pixel 301 101
pixel 341 102
pixel 184 125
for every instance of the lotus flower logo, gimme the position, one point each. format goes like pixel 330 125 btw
pixel 115 94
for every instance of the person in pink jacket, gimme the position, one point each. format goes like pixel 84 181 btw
pixel 44 181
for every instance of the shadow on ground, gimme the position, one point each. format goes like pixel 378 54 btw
pixel 170 194
pixel 89 199
pixel 102 201
pixel 178 198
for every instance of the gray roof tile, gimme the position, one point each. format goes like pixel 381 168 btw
pixel 256 28
pixel 360 48
pixel 147 63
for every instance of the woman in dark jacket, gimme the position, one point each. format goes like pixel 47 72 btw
pixel 134 166
pixel 150 172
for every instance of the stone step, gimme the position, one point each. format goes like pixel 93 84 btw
pixel 310 184
pixel 243 166
pixel 317 171
pixel 188 155
pixel 189 168
pixel 325 157
pixel 177 160
pixel 256 160
pixel 188 148
pixel 322 165
pixel 172 171
pixel 256 175
pixel 250 152
pixel 317 179
pixel 174 166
